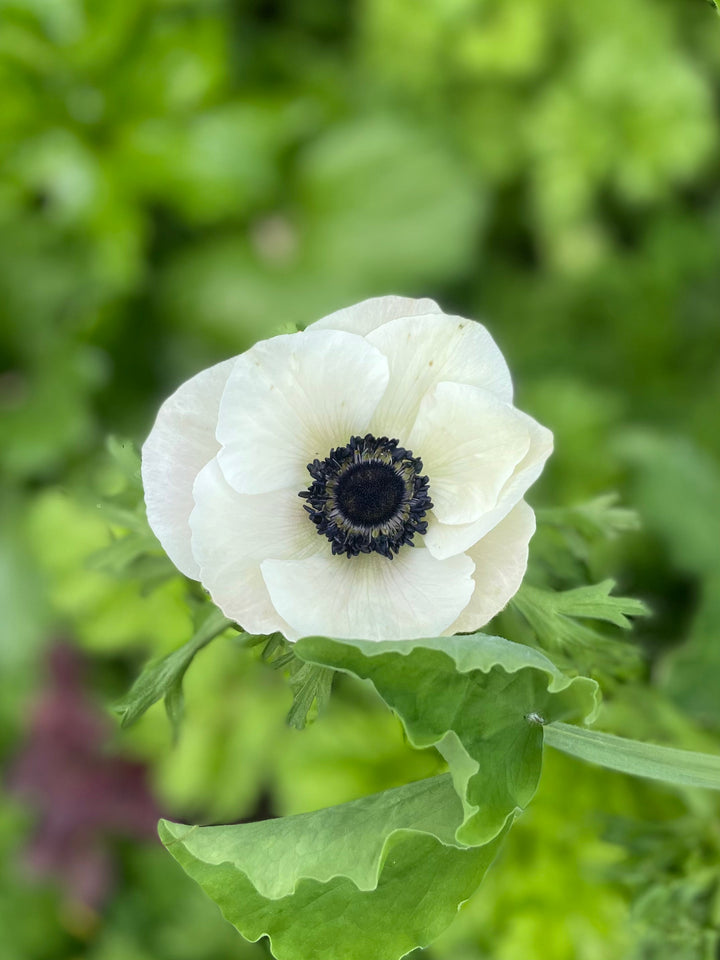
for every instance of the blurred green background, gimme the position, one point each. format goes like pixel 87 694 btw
pixel 181 177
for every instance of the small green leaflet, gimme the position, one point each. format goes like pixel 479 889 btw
pixel 553 616
pixel 593 602
pixel 126 457
pixel 372 879
pixel 163 678
pixel 310 684
pixel 598 518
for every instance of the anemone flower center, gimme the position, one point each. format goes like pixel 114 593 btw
pixel 368 496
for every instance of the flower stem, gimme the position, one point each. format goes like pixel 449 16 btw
pixel 668 764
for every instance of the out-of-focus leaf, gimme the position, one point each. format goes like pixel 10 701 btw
pixel 163 678
pixel 679 487
pixel 106 613
pixel 121 552
pixel 126 456
pixel 600 517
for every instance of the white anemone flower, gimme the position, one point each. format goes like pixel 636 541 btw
pixel 360 479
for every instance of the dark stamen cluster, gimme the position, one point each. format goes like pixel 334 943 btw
pixel 368 496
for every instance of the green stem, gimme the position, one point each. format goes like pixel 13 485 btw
pixel 632 756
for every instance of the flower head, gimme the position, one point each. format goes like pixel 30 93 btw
pixel 363 478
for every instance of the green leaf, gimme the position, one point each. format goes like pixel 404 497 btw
pixel 592 602
pixel 471 697
pixel 553 615
pixel 596 518
pixel 123 552
pixel 366 880
pixel 311 686
pixel 685 767
pixel 164 677
pixel 377 877
pixel 127 457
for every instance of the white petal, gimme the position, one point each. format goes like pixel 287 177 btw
pixel 500 564
pixel 470 442
pixel 424 350
pixel 363 317
pixel 368 596
pixel 291 399
pixel 233 532
pixel 181 442
pixel 445 539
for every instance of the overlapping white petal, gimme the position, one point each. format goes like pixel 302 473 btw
pixel 471 443
pixel 425 350
pixel 233 533
pixel 181 442
pixel 366 316
pixel 500 560
pixel 291 399
pixel 446 539
pixel 413 595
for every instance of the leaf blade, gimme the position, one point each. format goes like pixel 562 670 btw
pixel 652 761
pixel 470 697
pixel 361 894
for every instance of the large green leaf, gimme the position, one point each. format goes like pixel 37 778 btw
pixel 367 880
pixel 374 878
pixel 481 700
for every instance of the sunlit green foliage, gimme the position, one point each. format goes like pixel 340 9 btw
pixel 178 178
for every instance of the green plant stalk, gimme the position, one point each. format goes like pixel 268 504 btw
pixel 684 767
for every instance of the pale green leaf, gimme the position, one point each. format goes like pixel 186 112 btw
pixel 122 552
pixel 593 602
pixel 685 767
pixel 367 880
pixel 469 696
pixel 126 456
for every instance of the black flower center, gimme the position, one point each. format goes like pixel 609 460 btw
pixel 369 493
pixel 368 496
